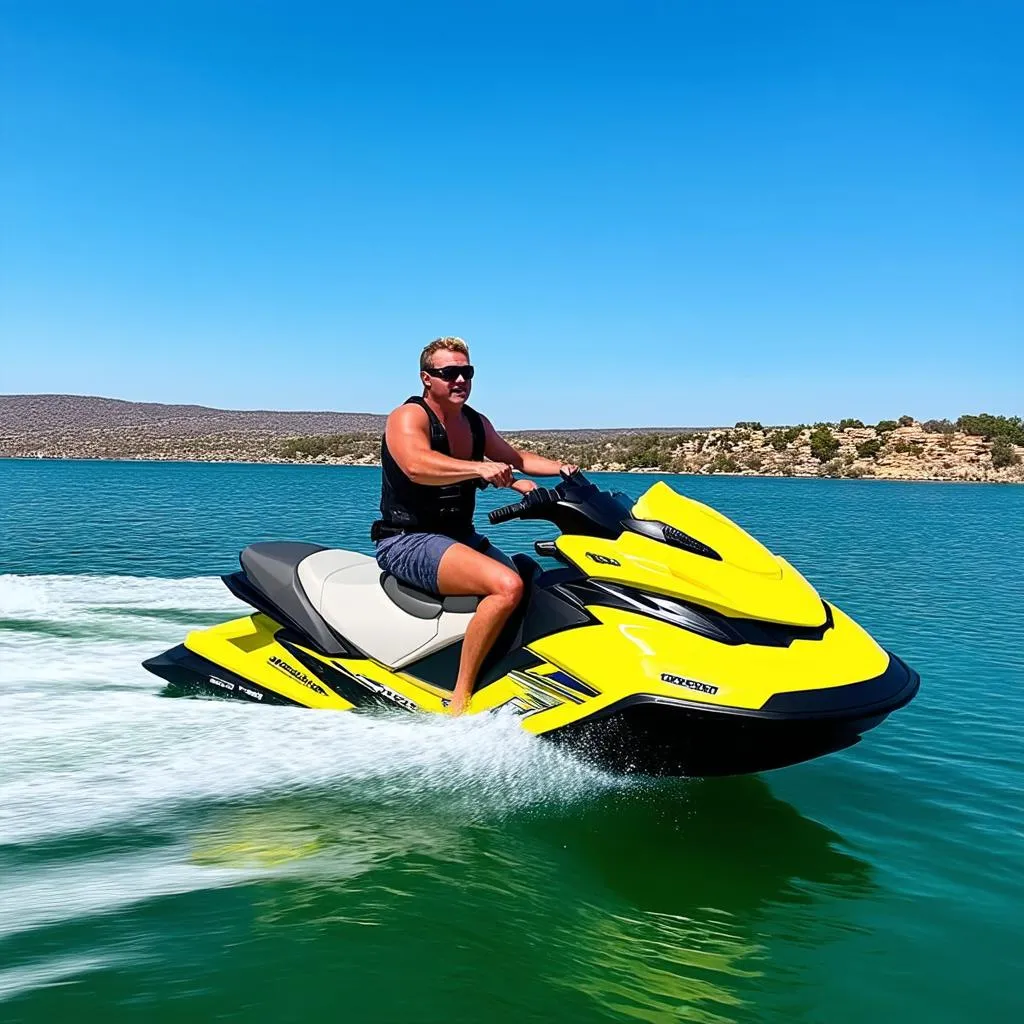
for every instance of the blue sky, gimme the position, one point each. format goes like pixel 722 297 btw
pixel 637 213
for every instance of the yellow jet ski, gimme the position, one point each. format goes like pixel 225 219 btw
pixel 668 641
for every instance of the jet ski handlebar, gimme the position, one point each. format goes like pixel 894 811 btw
pixel 531 501
pixel 575 506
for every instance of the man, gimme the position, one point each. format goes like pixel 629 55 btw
pixel 435 453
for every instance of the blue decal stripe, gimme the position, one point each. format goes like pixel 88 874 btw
pixel 573 684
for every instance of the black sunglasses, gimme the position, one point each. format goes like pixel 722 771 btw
pixel 450 374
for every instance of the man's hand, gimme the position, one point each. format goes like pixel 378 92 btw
pixel 497 474
pixel 568 469
pixel 524 486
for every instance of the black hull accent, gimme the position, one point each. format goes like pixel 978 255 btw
pixel 895 687
pixel 187 672
pixel 663 736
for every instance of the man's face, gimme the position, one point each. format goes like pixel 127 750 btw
pixel 456 391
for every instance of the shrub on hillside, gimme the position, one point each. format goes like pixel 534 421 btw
pixel 1003 453
pixel 782 439
pixel 823 445
pixel 749 425
pixel 884 426
pixel 938 427
pixel 869 449
pixel 906 421
pixel 834 467
pixel 907 448
pixel 332 445
pixel 723 463
pixel 988 426
pixel 644 451
pixel 847 424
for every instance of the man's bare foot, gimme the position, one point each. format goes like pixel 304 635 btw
pixel 457 705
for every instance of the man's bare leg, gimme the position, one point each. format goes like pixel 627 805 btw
pixel 465 571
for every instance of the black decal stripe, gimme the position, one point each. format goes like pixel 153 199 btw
pixel 696 618
pixel 353 688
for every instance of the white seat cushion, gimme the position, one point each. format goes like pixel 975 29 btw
pixel 344 587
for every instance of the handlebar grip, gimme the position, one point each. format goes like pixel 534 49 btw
pixel 506 512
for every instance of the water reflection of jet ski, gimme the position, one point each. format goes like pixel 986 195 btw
pixel 743 848
pixel 734 883
pixel 668 641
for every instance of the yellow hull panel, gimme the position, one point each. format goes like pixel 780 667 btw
pixel 630 653
pixel 248 648
pixel 622 655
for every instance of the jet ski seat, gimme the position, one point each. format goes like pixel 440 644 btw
pixel 422 603
pixel 426 605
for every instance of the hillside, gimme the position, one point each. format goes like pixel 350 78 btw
pixel 63 413
pixel 975 448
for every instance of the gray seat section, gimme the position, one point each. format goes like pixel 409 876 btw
pixel 272 568
pixel 421 603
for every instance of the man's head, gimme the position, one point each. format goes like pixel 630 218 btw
pixel 445 370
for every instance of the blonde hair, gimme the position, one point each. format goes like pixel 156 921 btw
pixel 449 344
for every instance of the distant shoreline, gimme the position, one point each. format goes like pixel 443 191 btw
pixel 335 464
pixel 973 449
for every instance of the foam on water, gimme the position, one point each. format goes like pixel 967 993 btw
pixel 81 889
pixel 63 597
pixel 110 750
pixel 90 747
pixel 28 977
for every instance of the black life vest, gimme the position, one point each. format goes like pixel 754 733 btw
pixel 424 508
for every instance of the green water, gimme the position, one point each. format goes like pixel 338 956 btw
pixel 165 860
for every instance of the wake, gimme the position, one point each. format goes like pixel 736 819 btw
pixel 89 744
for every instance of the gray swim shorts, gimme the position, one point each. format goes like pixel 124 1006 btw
pixel 414 557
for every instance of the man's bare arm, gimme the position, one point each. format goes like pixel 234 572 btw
pixel 498 449
pixel 408 438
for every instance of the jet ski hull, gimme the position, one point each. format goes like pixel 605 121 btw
pixel 662 736
pixel 643 733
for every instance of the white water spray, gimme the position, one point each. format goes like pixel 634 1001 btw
pixel 89 744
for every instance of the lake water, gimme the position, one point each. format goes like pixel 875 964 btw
pixel 164 860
